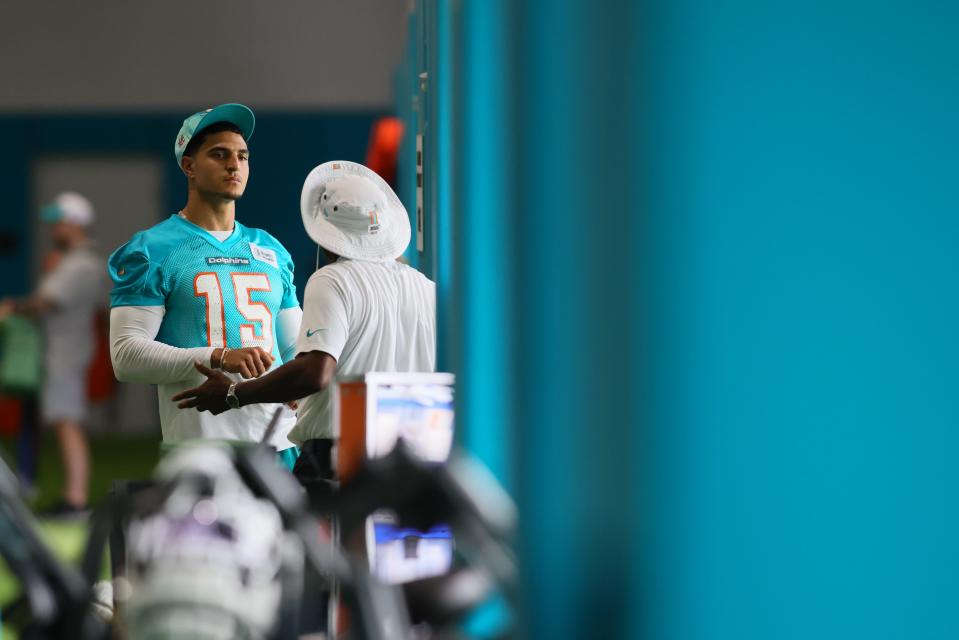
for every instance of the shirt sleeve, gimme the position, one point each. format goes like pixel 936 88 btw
pixel 137 281
pixel 287 328
pixel 325 325
pixel 136 354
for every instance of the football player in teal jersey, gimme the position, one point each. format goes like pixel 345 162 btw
pixel 201 287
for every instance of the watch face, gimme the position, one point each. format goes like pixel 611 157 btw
pixel 231 400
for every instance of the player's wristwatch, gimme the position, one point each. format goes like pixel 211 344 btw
pixel 231 400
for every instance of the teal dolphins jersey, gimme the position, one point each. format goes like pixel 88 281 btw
pixel 214 294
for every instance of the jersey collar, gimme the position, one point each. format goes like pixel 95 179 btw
pixel 206 235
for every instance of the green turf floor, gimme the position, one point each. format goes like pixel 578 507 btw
pixel 113 458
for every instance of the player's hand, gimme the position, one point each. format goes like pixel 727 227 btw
pixel 249 362
pixel 209 396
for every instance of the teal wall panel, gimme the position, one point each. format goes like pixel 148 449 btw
pixel 442 171
pixel 702 312
pixel 803 414
pixel 579 227
pixel 482 242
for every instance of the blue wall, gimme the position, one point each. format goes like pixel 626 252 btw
pixel 722 277
pixel 285 146
pixel 803 229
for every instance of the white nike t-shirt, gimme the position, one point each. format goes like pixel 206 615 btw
pixel 370 316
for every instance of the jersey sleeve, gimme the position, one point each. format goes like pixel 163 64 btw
pixel 286 273
pixel 137 280
pixel 325 325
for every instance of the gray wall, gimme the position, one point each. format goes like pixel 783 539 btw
pixel 123 55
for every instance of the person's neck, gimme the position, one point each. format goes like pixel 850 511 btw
pixel 212 214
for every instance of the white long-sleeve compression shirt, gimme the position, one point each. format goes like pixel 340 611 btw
pixel 138 356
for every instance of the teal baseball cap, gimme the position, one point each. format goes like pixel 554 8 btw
pixel 234 113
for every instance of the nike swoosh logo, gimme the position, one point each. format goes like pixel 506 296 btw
pixel 310 332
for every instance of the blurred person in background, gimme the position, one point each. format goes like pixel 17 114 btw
pixel 363 312
pixel 200 286
pixel 71 293
pixel 382 152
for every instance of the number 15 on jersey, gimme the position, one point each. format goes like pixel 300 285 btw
pixel 207 284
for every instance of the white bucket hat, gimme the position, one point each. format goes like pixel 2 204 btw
pixel 350 210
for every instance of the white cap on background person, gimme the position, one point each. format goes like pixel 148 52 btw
pixel 69 206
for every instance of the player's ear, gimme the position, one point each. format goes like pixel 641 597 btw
pixel 186 166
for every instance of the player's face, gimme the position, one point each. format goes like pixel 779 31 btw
pixel 221 166
pixel 65 234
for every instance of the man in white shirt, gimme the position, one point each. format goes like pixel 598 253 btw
pixel 363 312
pixel 67 300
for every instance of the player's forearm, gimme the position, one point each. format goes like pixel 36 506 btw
pixel 296 379
pixel 35 306
pixel 152 362
pixel 138 357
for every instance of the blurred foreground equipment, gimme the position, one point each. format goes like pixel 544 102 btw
pixel 402 538
pixel 56 600
pixel 216 545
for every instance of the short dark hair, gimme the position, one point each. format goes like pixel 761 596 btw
pixel 197 140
